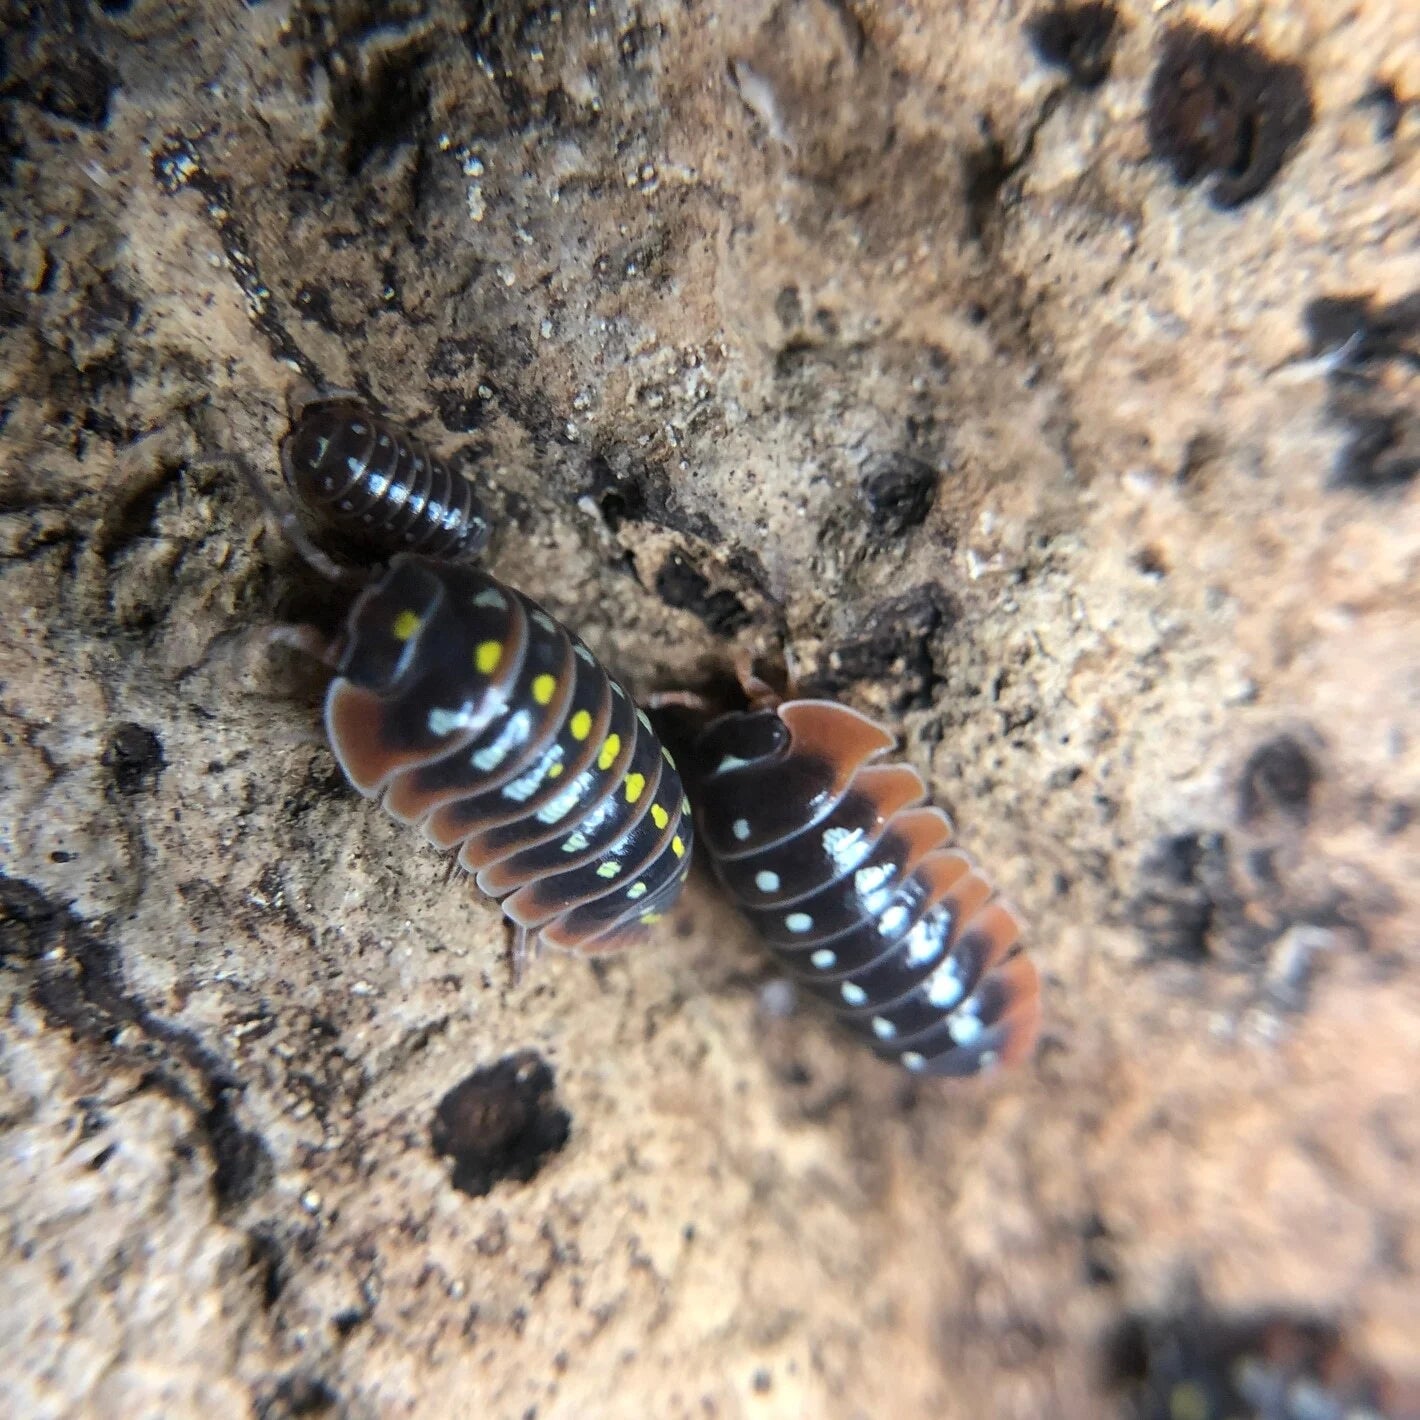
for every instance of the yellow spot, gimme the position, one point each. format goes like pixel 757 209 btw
pixel 554 771
pixel 487 656
pixel 581 725
pixel 543 688
pixel 405 625
pixel 659 816
pixel 610 750
pixel 677 847
pixel 636 890
pixel 1188 1402
pixel 650 916
pixel 608 870
pixel 635 783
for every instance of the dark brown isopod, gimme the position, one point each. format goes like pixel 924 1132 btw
pixel 847 875
pixel 376 486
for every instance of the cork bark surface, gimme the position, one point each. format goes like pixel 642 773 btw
pixel 860 334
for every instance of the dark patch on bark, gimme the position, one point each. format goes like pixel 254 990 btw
pixel 134 757
pixel 1076 38
pixel 1279 774
pixel 1183 881
pixel 1224 109
pixel 899 491
pixel 894 646
pixel 502 1122
pixel 77 984
pixel 680 585
pixel 1270 1362
pixel 1373 386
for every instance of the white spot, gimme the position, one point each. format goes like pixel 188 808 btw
pixel 766 881
pixel 636 890
pixel 730 761
pixel 542 619
pixel 615 688
pixel 445 722
pixel 641 715
pixel 586 655
pixel 893 920
pixel 563 804
pixel 964 1027
pixel 514 734
pixel 740 828
pixel 491 596
pixel 925 939
pixel 913 1061
pixel 799 922
pixel 853 994
pixel 823 958
pixel 521 789
pixel 883 1028
pixel 845 847
pixel 987 1059
pixel 944 985
pixel 867 880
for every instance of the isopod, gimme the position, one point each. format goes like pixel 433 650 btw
pixel 375 485
pixel 844 869
pixel 473 714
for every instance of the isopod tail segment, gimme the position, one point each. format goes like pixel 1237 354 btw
pixel 846 872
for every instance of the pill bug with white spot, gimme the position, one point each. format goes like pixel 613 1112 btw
pixel 473 714
pixel 375 485
pixel 846 873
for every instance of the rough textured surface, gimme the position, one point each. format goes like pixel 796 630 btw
pixel 703 289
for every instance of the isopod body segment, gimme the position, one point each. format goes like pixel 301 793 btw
pixel 475 715
pixel 846 873
pixel 376 486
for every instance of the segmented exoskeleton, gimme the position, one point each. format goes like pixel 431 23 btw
pixel 848 877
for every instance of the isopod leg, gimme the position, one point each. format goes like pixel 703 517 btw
pixel 520 953
pixel 291 529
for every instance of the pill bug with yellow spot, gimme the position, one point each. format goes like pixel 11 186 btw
pixel 374 485
pixel 472 713
pixel 847 875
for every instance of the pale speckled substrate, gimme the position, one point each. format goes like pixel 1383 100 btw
pixel 235 992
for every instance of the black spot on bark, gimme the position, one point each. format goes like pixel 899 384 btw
pixel 1076 38
pixel 680 585
pixel 296 1395
pixel 1365 330
pixel 1389 108
pixel 1177 897
pixel 1279 774
pixel 899 491
pixel 986 171
pixel 502 1122
pixel 1373 386
pixel 894 647
pixel 1272 1363
pixel 380 104
pixel 134 757
pixel 1224 109
pixel 241 1164
pixel 47 63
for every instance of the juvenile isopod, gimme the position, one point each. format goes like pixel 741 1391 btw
pixel 375 485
